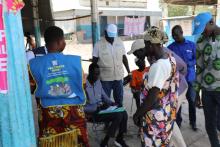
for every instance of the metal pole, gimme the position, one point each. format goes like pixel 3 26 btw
pixel 37 33
pixel 94 20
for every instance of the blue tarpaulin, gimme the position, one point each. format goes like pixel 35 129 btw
pixel 16 117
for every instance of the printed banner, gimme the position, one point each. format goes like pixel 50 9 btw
pixel 3 55
pixel 14 5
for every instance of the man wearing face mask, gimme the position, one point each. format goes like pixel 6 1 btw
pixel 109 54
pixel 208 72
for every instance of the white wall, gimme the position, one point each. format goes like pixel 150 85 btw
pixel 155 21
pixel 60 5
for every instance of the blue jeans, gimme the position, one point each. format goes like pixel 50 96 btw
pixel 191 97
pixel 211 102
pixel 117 87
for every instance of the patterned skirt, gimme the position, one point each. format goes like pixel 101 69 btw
pixel 62 126
pixel 158 124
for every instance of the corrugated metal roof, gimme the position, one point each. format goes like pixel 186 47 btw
pixel 45 14
pixel 191 2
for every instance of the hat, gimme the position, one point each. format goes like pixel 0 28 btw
pixel 136 45
pixel 155 35
pixel 200 22
pixel 112 30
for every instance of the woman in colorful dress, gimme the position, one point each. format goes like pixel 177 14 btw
pixel 60 95
pixel 157 113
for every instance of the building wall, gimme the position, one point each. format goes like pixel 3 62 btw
pixel 83 28
pixel 186 24
pixel 68 26
pixel 155 21
pixel 117 3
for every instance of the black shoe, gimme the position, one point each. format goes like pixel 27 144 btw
pixel 103 144
pixel 194 127
pixel 120 143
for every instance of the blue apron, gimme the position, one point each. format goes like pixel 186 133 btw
pixel 59 79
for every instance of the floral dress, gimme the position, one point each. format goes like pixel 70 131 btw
pixel 158 122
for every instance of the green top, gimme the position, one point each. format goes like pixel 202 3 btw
pixel 208 64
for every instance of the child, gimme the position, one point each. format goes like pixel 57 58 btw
pixel 137 79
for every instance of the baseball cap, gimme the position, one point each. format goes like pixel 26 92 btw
pixel 136 45
pixel 112 30
pixel 200 22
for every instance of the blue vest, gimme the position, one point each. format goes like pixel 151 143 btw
pixel 59 79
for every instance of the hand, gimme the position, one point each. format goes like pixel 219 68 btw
pixel 137 119
pixel 127 79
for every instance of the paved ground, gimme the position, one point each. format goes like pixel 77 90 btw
pixel 192 139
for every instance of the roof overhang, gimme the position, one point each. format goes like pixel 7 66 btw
pixel 191 2
pixel 178 17
pixel 119 11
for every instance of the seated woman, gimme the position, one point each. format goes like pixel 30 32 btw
pixel 98 100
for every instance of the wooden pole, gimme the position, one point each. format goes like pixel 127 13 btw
pixel 95 21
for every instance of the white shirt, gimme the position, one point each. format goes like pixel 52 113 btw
pixel 159 72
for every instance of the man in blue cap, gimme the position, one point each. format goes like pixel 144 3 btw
pixel 109 53
pixel 208 71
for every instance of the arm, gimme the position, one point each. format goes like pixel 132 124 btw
pixel 199 68
pixel 149 102
pixel 31 80
pixel 105 98
pixel 89 107
pixel 95 59
pixel 125 62
pixel 180 64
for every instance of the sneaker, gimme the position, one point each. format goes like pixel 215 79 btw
pixel 120 143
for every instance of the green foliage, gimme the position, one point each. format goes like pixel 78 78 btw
pixel 177 10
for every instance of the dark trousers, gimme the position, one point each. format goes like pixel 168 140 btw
pixel 117 87
pixel 136 96
pixel 117 121
pixel 211 102
pixel 191 97
pixel 218 117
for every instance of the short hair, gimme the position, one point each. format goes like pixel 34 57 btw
pixel 92 67
pixel 177 27
pixel 53 34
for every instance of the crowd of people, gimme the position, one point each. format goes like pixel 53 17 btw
pixel 66 99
